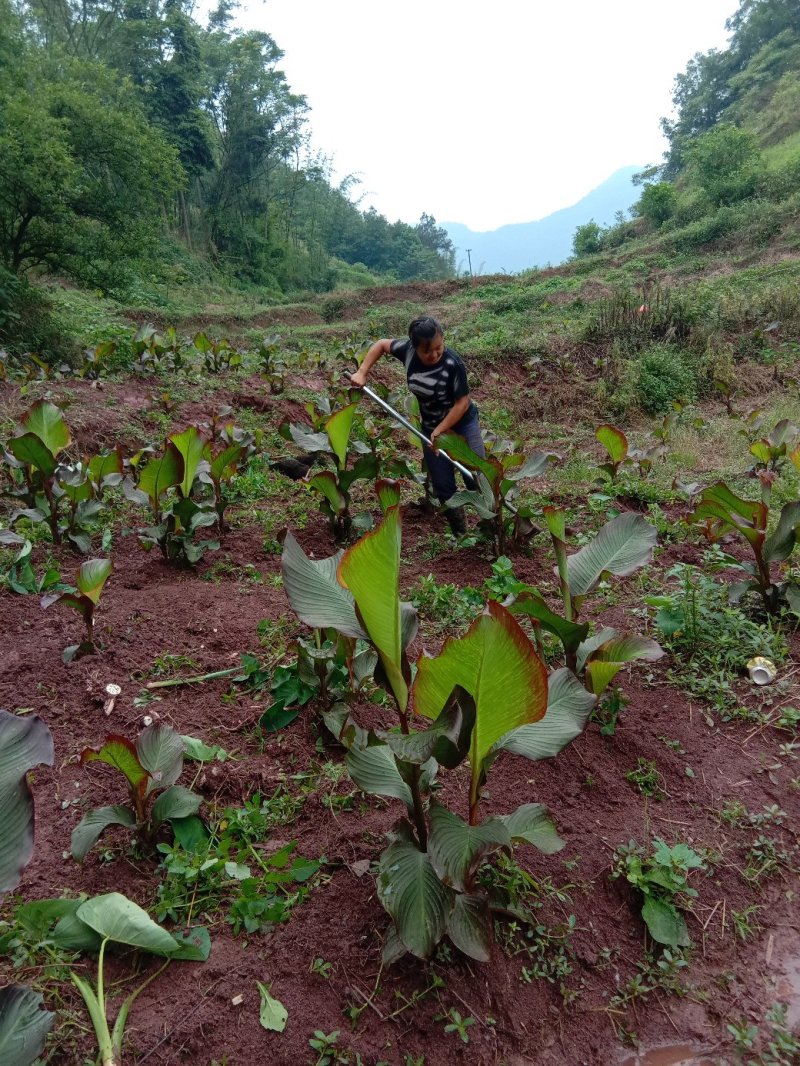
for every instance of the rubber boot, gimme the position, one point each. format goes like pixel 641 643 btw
pixel 457 521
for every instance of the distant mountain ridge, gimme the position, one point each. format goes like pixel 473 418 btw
pixel 522 245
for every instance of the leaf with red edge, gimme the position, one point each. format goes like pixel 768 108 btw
pixel 496 663
pixel 120 753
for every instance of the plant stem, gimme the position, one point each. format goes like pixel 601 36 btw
pixel 419 811
pixel 194 680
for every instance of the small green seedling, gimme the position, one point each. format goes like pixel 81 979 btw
pixel 663 879
pixel 90 579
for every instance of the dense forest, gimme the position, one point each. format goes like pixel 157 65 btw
pixel 135 141
pixel 732 165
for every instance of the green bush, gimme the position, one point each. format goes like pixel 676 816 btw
pixel 657 202
pixel 588 240
pixel 28 322
pixel 665 376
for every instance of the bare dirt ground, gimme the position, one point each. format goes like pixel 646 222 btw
pixel 193 1014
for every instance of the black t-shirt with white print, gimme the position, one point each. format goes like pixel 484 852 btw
pixel 436 387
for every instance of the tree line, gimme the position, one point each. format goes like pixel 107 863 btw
pixel 136 142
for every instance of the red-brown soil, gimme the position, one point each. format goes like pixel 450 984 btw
pixel 188 1014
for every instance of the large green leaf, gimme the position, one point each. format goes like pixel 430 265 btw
pixel 482 499
pixel 722 511
pixel 28 448
pixel 327 485
pixel 94 823
pixel 46 421
pixel 614 441
pixel 161 474
pixel 665 922
pixel 119 752
pixel 606 661
pixel 371 571
pixel 375 771
pixel 92 575
pixel 118 918
pixel 225 461
pixel 780 544
pixel 531 824
pixel 160 751
pixel 23 1026
pixel 82 604
pixel 470 926
pixel 568 708
pixel 176 802
pixel 365 468
pixel 24 744
pixel 456 849
pixel 533 465
pixel 338 428
pixel 496 663
pixel 446 740
pixel 457 448
pixel 413 895
pixel 531 603
pixel 316 596
pixel 622 546
pixel 107 468
pixel 190 444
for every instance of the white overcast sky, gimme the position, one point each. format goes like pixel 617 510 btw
pixel 486 113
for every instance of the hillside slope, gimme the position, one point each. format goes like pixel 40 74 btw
pixel 523 245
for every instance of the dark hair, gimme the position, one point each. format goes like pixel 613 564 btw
pixel 423 330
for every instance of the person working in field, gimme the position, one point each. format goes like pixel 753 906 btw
pixel 438 378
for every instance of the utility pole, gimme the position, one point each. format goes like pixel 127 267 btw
pixel 469 260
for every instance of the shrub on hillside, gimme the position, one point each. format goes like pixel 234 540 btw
pixel 666 375
pixel 657 202
pixel 28 322
pixel 588 240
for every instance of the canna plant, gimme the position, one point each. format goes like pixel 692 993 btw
pixel 719 511
pixel 95 926
pixel 25 743
pixel 333 485
pixel 94 361
pixel 770 454
pixel 90 579
pixel 270 365
pixel 621 547
pixel 21 576
pixel 32 453
pixel 224 456
pixel 486 693
pixel 156 351
pixel 622 456
pixel 67 496
pixel 150 766
pixel 616 444
pixel 217 355
pixel 496 480
pixel 177 516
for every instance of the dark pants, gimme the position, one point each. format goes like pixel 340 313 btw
pixel 442 471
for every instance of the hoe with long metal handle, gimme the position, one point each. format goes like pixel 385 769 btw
pixel 413 429
pixel 471 474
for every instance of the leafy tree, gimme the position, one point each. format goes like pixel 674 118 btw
pixel 725 161
pixel 587 239
pixel 82 173
pixel 657 202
